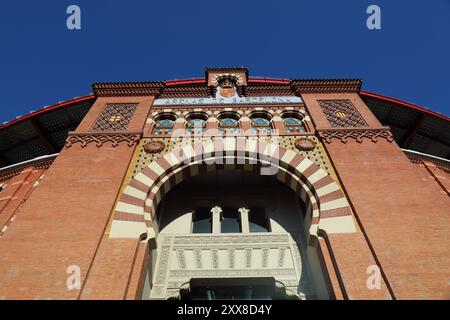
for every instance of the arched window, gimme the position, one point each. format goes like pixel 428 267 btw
pixel 230 221
pixel 261 121
pixel 293 122
pixel 164 123
pixel 258 220
pixel 201 221
pixel 196 122
pixel 229 122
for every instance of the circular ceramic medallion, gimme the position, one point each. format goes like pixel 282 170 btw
pixel 305 144
pixel 154 146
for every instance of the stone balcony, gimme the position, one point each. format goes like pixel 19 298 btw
pixel 182 257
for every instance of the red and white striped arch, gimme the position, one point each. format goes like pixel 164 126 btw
pixel 326 205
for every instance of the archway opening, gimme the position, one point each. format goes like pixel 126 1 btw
pixel 271 205
pixel 232 224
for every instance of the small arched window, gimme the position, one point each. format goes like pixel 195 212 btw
pixel 293 122
pixel 261 121
pixel 164 123
pixel 229 122
pixel 196 122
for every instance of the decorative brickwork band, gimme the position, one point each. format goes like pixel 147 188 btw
pixel 326 86
pixel 323 198
pixel 192 91
pixel 39 163
pixel 100 138
pixel 268 90
pixel 123 89
pixel 327 135
pixel 115 116
pixel 342 113
pixel 420 158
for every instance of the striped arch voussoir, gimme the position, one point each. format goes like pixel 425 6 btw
pixel 324 200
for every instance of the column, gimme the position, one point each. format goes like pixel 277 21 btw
pixel 216 218
pixel 245 225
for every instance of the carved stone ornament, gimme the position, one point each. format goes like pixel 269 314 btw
pixel 154 146
pixel 305 144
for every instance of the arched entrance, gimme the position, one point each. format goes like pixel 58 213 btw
pixel 232 224
pixel 324 204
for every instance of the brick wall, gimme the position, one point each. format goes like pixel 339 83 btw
pixel 404 215
pixel 64 220
pixel 15 192
pixel 401 209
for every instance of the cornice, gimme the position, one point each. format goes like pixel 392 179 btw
pixel 301 86
pixel 114 89
pixel 267 89
pixel 185 91
pixel 42 162
pixel 157 88
pixel 227 69
pixel 420 158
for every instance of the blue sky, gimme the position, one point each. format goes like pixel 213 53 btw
pixel 42 62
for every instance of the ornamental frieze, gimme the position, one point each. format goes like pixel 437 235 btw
pixel 226 101
pixel 100 138
pixel 238 108
pixel 343 135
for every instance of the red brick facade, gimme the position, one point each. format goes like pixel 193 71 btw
pixel 64 215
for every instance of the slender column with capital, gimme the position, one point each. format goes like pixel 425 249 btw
pixel 245 225
pixel 216 218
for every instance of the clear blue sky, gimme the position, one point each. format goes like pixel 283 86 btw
pixel 42 62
